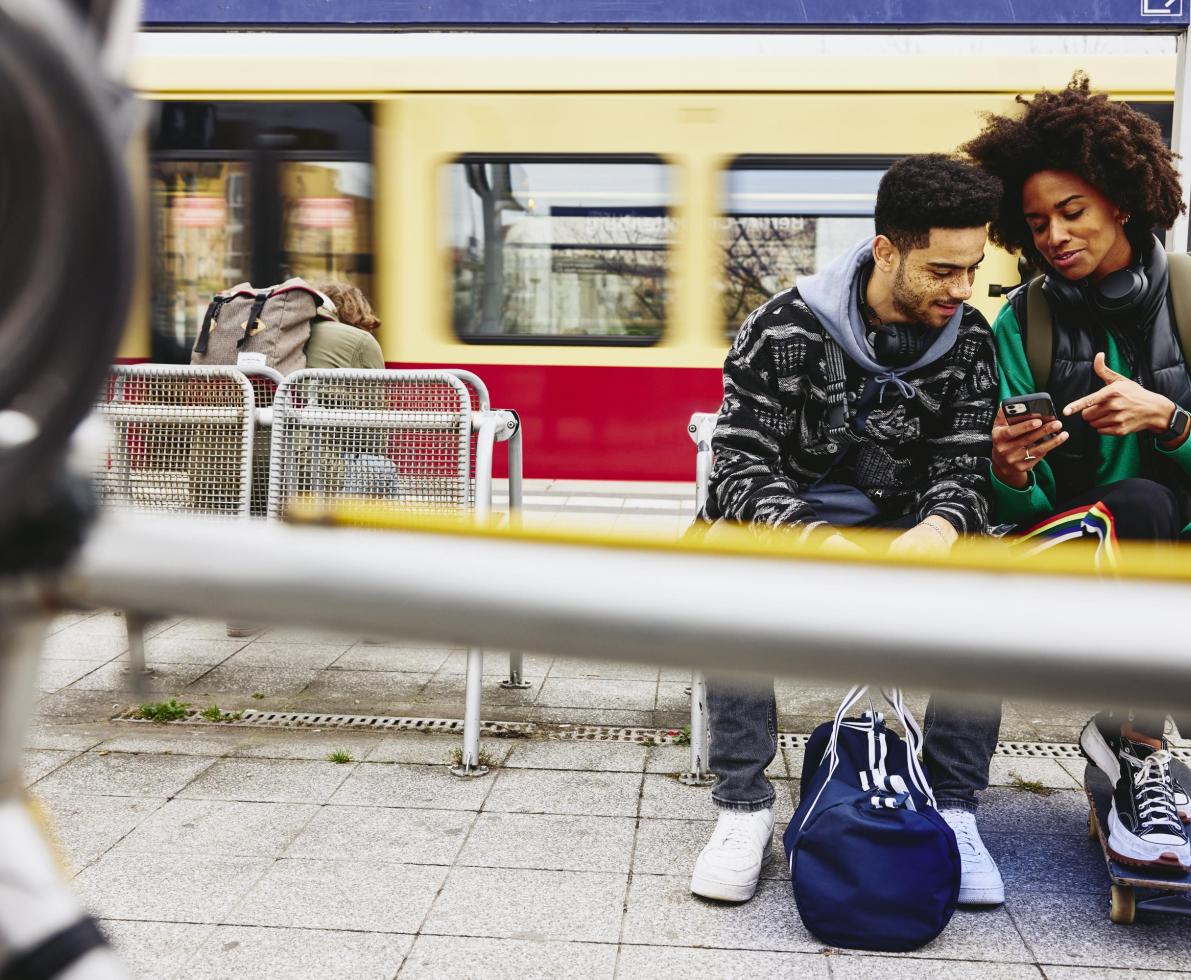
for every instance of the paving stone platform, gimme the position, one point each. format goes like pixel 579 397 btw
pixel 212 850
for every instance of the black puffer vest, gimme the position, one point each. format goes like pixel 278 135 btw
pixel 1077 336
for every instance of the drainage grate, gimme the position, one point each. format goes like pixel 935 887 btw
pixel 569 733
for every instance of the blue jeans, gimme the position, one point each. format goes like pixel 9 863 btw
pixel 960 739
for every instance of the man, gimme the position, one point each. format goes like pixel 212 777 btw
pixel 863 396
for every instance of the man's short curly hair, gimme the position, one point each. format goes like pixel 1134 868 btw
pixel 1112 146
pixel 933 190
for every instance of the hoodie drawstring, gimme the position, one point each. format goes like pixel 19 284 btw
pixel 906 389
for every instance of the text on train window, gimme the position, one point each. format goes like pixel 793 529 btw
pixel 783 219
pixel 559 252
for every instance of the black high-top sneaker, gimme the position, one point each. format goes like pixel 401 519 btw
pixel 1100 742
pixel 1143 825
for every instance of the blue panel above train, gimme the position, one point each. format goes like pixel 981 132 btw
pixel 661 14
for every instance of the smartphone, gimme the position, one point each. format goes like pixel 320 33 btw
pixel 1038 403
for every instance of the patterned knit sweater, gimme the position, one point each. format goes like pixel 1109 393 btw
pixel 914 454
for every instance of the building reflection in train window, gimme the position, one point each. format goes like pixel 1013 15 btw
pixel 202 232
pixel 559 252
pixel 326 221
pixel 784 218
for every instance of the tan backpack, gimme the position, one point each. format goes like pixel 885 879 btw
pixel 280 318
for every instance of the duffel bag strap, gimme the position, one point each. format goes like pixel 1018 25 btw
pixel 857 692
pixel 914 741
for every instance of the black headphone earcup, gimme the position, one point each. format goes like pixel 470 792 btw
pixel 1119 290
pixel 897 345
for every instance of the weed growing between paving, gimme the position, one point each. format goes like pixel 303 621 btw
pixel 213 713
pixel 1017 781
pixel 162 711
pixel 339 756
pixel 257 696
pixel 485 758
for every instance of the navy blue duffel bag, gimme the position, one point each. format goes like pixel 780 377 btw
pixel 873 864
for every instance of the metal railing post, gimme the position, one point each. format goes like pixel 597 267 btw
pixel 469 760
pixel 516 679
pixel 698 774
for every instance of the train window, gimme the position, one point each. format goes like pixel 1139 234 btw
pixel 201 211
pixel 1161 112
pixel 326 221
pixel 559 251
pixel 259 192
pixel 787 217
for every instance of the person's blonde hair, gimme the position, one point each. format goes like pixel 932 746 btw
pixel 351 304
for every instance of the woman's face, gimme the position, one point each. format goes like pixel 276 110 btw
pixel 1078 230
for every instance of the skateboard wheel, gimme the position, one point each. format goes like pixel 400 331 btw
pixel 1093 825
pixel 1123 906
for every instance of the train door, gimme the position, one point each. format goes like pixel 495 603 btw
pixel 254 191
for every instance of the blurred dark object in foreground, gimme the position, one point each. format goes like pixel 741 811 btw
pixel 66 245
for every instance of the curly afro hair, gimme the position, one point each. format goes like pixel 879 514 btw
pixel 1113 147
pixel 932 190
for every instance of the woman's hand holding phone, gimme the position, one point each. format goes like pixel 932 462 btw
pixel 1018 446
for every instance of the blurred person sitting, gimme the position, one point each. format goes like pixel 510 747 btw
pixel 347 341
pixel 864 395
pixel 1086 180
pixel 344 342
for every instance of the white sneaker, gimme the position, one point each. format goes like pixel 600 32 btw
pixel 980 881
pixel 729 866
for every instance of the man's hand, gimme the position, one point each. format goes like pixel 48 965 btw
pixel 1122 406
pixel 932 537
pixel 1018 448
pixel 838 546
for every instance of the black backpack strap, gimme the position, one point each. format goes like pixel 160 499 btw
pixel 1039 334
pixel 50 957
pixel 258 306
pixel 200 345
pixel 838 428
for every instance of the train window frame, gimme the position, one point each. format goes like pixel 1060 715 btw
pixel 789 162
pixel 263 153
pixel 672 168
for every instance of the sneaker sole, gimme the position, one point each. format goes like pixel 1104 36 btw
pixel 1128 849
pixel 723 891
pixel 981 896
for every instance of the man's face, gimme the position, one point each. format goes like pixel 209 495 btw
pixel 929 284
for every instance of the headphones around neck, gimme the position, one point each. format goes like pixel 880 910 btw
pixel 898 345
pixel 1117 293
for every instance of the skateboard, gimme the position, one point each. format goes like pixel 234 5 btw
pixel 1154 888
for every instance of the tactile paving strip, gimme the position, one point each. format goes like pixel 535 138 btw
pixel 573 733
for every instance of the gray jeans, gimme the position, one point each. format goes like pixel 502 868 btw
pixel 960 740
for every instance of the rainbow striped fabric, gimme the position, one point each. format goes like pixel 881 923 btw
pixel 1093 524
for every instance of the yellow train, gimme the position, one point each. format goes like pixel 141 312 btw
pixel 581 219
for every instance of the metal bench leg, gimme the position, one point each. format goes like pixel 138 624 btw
pixel 135 624
pixel 469 763
pixel 515 678
pixel 698 774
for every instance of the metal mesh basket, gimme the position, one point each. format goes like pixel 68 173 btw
pixel 181 439
pixel 353 439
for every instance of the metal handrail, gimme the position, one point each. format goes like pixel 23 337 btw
pixel 830 619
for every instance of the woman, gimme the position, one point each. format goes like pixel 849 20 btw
pixel 346 342
pixel 1086 182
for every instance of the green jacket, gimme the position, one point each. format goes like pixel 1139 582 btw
pixel 337 345
pixel 1120 456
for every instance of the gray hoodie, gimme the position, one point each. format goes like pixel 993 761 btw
pixel 832 296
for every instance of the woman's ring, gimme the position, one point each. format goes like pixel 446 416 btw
pixel 1029 455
